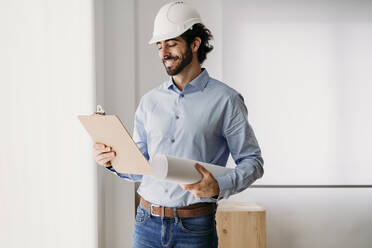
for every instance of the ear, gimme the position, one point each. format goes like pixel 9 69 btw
pixel 195 44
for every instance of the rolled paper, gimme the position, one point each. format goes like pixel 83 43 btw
pixel 181 170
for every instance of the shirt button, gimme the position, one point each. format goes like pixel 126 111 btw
pixel 177 117
pixel 172 140
pixel 182 95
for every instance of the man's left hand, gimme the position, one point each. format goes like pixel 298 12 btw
pixel 206 187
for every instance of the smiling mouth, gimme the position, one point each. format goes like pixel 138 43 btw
pixel 169 61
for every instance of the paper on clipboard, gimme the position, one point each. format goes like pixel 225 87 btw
pixel 109 130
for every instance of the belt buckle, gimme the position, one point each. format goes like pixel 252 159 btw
pixel 153 214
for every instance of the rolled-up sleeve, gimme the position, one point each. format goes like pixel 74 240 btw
pixel 140 138
pixel 243 147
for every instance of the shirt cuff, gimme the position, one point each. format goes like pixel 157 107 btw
pixel 110 168
pixel 226 185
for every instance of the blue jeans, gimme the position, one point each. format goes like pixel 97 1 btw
pixel 153 231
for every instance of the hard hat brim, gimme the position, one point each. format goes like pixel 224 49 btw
pixel 158 38
pixel 168 36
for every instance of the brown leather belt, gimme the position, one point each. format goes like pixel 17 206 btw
pixel 194 210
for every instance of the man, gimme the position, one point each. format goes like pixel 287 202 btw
pixel 192 116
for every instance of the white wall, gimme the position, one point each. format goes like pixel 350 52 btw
pixel 304 70
pixel 314 217
pixel 47 173
pixel 115 72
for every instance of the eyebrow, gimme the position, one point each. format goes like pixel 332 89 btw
pixel 173 39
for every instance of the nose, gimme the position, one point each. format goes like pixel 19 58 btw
pixel 163 52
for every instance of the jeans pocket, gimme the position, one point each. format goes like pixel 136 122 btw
pixel 198 225
pixel 142 215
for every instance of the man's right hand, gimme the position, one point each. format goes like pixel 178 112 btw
pixel 103 154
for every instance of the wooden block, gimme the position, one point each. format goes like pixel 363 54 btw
pixel 241 225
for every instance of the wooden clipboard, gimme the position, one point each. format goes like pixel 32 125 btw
pixel 109 130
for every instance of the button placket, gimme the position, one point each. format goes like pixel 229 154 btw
pixel 176 115
pixel 176 107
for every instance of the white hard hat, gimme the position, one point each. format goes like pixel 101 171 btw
pixel 172 20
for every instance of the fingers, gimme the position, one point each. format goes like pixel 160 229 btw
pixel 201 169
pixel 105 150
pixel 186 186
pixel 196 192
pixel 105 162
pixel 191 187
pixel 203 187
pixel 104 156
pixel 101 148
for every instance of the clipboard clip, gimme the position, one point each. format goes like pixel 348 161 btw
pixel 100 110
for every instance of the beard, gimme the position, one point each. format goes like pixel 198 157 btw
pixel 185 59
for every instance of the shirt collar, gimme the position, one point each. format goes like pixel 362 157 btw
pixel 199 82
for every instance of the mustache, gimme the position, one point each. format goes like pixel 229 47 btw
pixel 168 57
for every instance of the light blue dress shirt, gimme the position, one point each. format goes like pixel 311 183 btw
pixel 205 122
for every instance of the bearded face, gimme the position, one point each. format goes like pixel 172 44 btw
pixel 175 55
pixel 175 64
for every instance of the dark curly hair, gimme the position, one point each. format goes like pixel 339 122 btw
pixel 199 30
